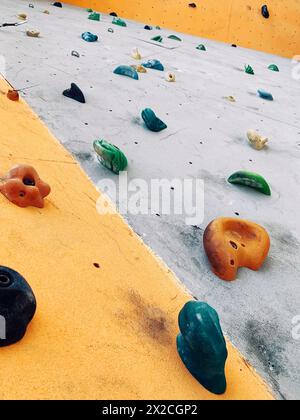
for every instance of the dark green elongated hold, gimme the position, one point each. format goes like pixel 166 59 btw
pixel 175 38
pixel 89 10
pixel 202 346
pixel 249 69
pixel 273 67
pixel 95 16
pixel 201 47
pixel 157 38
pixel 127 71
pixel 119 22
pixel 252 180
pixel 110 156
pixel 152 122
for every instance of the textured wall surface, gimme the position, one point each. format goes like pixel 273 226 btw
pixel 232 21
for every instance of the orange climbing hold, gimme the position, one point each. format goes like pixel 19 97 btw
pixel 23 187
pixel 13 95
pixel 231 243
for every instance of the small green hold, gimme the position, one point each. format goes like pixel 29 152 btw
pixel 110 156
pixel 89 10
pixel 273 67
pixel 202 346
pixel 152 122
pixel 251 180
pixel 201 47
pixel 157 38
pixel 95 16
pixel 249 69
pixel 119 22
pixel 175 38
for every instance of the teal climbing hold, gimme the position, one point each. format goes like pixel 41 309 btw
pixel 127 71
pixel 265 95
pixel 175 38
pixel 157 38
pixel 273 67
pixel 202 346
pixel 152 122
pixel 119 22
pixel 110 156
pixel 89 37
pixel 249 69
pixel 95 16
pixel 201 47
pixel 89 10
pixel 154 65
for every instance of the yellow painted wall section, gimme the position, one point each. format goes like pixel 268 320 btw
pixel 232 21
pixel 99 333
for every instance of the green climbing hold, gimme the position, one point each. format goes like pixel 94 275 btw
pixel 110 156
pixel 250 179
pixel 119 22
pixel 89 10
pixel 249 69
pixel 273 67
pixel 201 47
pixel 127 71
pixel 152 122
pixel 95 16
pixel 202 346
pixel 174 37
pixel 157 38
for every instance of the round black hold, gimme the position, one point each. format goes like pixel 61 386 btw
pixel 17 306
pixel 265 12
pixel 113 14
pixel 29 181
pixel 57 4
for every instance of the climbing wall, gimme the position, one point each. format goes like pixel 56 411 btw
pixel 232 21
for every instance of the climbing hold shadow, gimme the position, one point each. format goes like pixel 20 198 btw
pixel 152 121
pixel 89 37
pixel 265 95
pixel 273 67
pixel 128 71
pixel 201 47
pixel 251 180
pixel 74 93
pixel 265 12
pixel 17 306
pixel 202 346
pixel 154 65
pixel 110 156
pixel 231 243
pixel 23 186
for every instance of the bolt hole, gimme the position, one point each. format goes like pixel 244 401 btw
pixel 243 245
pixel 231 262
pixel 21 194
pixel 96 265
pixel 28 181
pixel 5 280
pixel 234 245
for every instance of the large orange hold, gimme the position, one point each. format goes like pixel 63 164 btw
pixel 231 243
pixel 23 187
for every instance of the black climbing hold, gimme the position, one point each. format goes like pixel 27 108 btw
pixel 148 28
pixel 57 4
pixel 265 12
pixel 74 93
pixel 234 45
pixel 17 306
pixel 113 14
pixel 193 5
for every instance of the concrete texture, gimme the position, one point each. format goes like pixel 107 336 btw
pixel 206 139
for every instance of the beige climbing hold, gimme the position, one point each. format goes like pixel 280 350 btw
pixel 46 12
pixel 139 68
pixel 33 34
pixel 136 54
pixel 170 77
pixel 22 16
pixel 230 98
pixel 257 141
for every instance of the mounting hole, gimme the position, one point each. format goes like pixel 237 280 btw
pixel 21 194
pixel 231 262
pixel 5 280
pixel 234 245
pixel 96 265
pixel 28 181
